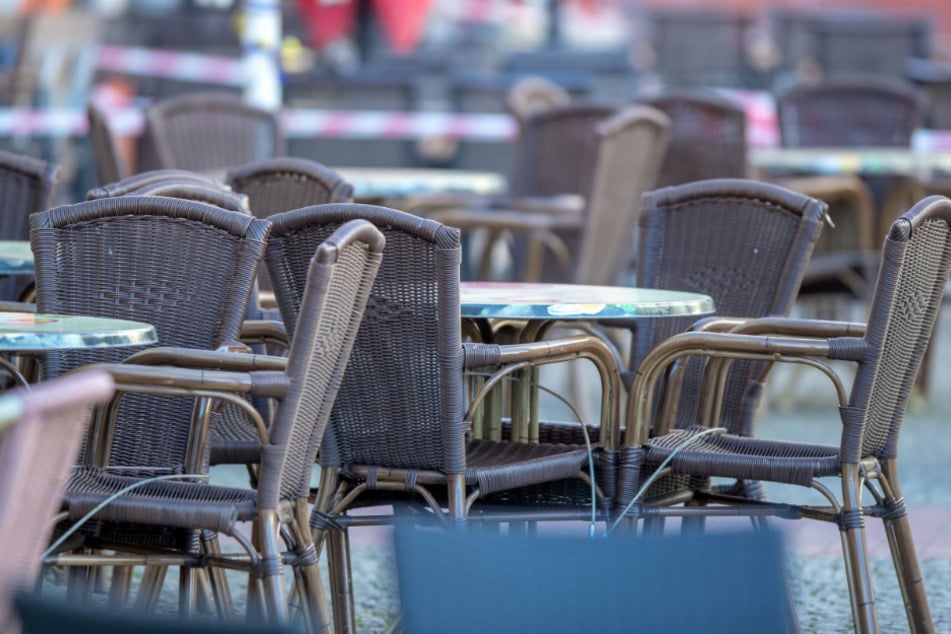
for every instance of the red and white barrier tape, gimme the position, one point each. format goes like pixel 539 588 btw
pixel 150 62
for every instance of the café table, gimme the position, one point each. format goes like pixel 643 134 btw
pixel 905 161
pixel 524 312
pixel 16 257
pixel 35 332
pixel 374 184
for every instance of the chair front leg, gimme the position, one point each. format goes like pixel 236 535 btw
pixel 855 552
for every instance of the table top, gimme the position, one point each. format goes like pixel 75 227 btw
pixel 16 257
pixel 576 301
pixel 852 160
pixel 36 332
pixel 380 182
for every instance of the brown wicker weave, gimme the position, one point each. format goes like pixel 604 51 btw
pixel 707 137
pixel 285 183
pixel 398 423
pixel 206 132
pixel 339 278
pixel 39 441
pixel 26 185
pixel 218 195
pixel 143 179
pixel 111 166
pixel 887 352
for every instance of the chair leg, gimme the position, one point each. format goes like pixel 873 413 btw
pixel 218 580
pixel 272 574
pixel 150 588
pixel 341 581
pixel 119 586
pixel 904 556
pixel 855 553
pixel 307 573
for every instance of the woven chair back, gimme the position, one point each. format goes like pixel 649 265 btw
pixel 144 179
pixel 26 185
pixel 850 112
pixel 285 183
pixel 400 404
pixel 39 441
pixel 339 281
pixel 908 294
pixel 556 150
pixel 185 267
pixel 630 149
pixel 744 243
pixel 707 138
pixel 110 164
pixel 217 194
pixel 206 132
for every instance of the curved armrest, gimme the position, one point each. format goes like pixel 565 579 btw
pixel 846 188
pixel 207 359
pixel 729 345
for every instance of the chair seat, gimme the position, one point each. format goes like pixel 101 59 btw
pixel 170 503
pixel 498 466
pixel 744 457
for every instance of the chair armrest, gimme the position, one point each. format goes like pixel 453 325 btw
pixel 207 359
pixel 264 331
pixel 731 345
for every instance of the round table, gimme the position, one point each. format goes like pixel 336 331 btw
pixel 16 257
pixel 32 332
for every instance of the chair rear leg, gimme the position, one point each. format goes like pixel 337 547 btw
pixel 310 587
pixel 855 552
pixel 341 581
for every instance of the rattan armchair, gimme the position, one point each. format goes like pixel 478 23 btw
pixel 209 132
pixel 186 268
pixel 399 427
pixel 887 353
pixel 40 434
pixel 339 277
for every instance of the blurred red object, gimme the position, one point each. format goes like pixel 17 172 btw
pixel 403 21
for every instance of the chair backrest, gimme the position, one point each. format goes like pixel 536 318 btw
pixel 868 42
pixel 556 149
pixel 400 403
pixel 707 137
pixel 534 94
pixel 211 131
pixel 110 164
pixel 629 151
pixel 699 48
pixel 742 242
pixel 135 182
pixel 39 442
pixel 339 279
pixel 218 194
pixel 916 260
pixel 183 266
pixel 285 183
pixel 27 184
pixel 857 111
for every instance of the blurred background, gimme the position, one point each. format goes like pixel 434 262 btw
pixel 325 60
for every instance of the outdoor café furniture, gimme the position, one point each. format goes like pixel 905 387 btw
pixel 340 274
pixel 41 430
pixel 218 194
pixel 208 131
pixel 143 179
pixel 398 423
pixel 887 353
pixel 186 268
pixel 388 183
pixel 707 136
pixel 621 156
pixel 16 257
pixel 27 184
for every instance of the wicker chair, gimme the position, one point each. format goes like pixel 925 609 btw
pixel 707 137
pixel 143 179
pixel 26 185
pixel 533 94
pixel 623 154
pixel 39 441
pixel 404 429
pixel 337 284
pixel 111 166
pixel 887 351
pixel 209 132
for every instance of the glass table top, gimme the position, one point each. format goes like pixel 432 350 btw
pixel 369 182
pixel 30 331
pixel 576 301
pixel 16 257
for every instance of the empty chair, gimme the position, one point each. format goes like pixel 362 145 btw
pixel 867 42
pixel 40 434
pixel 340 275
pixel 218 195
pixel 707 137
pixel 285 183
pixel 111 165
pixel 211 132
pixel 887 353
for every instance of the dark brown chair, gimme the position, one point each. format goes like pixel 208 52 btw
pixel 40 434
pixel 111 166
pixel 405 429
pixel 340 275
pixel 887 352
pixel 143 179
pixel 27 184
pixel 707 137
pixel 218 194
pixel 285 183
pixel 211 132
